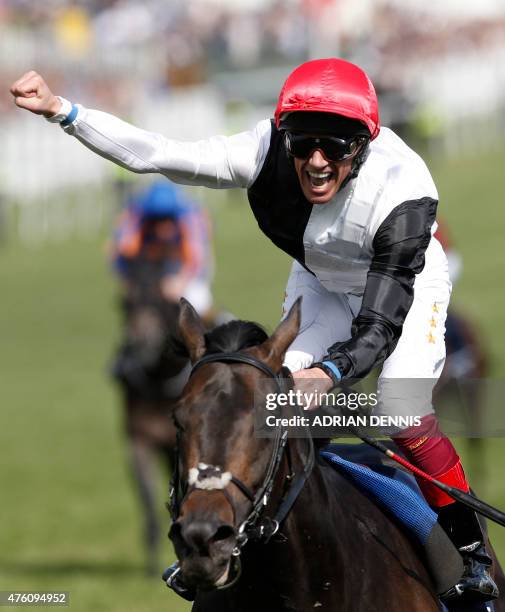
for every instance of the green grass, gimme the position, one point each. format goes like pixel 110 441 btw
pixel 471 200
pixel 69 519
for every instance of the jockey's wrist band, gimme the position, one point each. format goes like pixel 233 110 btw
pixel 329 368
pixel 70 117
pixel 65 110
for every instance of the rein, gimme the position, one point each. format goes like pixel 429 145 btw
pixel 256 526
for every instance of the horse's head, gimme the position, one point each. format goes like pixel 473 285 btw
pixel 145 357
pixel 149 320
pixel 222 464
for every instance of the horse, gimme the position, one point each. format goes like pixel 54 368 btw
pixel 265 524
pixel 151 376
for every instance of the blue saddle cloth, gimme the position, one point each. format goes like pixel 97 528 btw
pixel 398 493
pixel 393 489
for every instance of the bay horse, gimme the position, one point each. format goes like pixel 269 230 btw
pixel 151 376
pixel 262 524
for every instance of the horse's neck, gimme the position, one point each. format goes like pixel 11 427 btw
pixel 308 550
pixel 316 501
pixel 317 525
pixel 335 551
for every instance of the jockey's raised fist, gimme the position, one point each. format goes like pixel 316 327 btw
pixel 32 93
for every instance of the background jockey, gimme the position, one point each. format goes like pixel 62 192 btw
pixel 163 231
pixel 355 207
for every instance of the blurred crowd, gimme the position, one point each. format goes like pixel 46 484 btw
pixel 180 43
pixel 215 66
pixel 163 44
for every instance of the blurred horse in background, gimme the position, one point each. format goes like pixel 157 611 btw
pixel 150 376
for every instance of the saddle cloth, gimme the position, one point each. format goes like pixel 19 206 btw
pixel 397 492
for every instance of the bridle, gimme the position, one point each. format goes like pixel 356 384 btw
pixel 256 526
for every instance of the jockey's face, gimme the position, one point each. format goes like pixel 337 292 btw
pixel 320 178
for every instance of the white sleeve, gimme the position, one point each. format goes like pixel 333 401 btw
pixel 218 162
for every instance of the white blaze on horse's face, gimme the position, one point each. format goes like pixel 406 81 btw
pixel 208 477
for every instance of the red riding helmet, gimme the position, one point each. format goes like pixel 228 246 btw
pixel 330 86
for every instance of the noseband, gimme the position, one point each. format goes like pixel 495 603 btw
pixel 256 526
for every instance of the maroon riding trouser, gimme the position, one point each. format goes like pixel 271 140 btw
pixel 431 451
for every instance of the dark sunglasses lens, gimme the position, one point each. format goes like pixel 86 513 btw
pixel 334 149
pixel 298 145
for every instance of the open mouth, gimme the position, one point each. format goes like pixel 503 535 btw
pixel 204 577
pixel 319 179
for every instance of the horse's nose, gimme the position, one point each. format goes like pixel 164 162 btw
pixel 199 536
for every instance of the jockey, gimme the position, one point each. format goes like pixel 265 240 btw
pixel 161 226
pixel 355 208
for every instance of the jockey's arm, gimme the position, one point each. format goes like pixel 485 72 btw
pixel 218 162
pixel 174 285
pixel 195 255
pixel 192 244
pixel 399 245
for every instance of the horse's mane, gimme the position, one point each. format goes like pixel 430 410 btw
pixel 227 338
pixel 234 336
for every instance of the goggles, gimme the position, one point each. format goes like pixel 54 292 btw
pixel 334 149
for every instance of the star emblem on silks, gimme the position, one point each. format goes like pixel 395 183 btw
pixel 435 307
pixel 431 338
pixel 433 322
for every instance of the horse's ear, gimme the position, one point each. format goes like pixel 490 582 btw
pixel 274 349
pixel 192 330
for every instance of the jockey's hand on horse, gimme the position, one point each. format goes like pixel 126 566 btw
pixel 32 93
pixel 310 380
